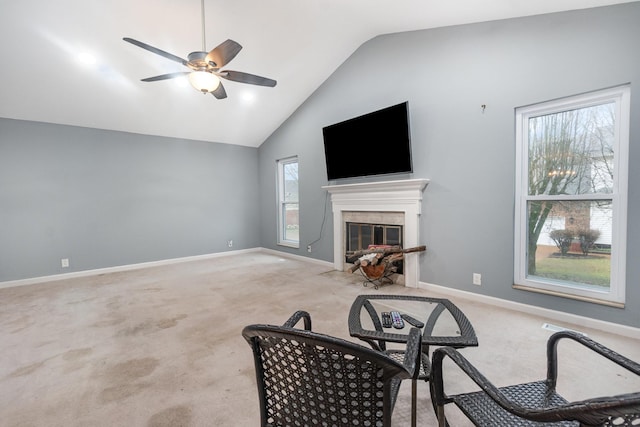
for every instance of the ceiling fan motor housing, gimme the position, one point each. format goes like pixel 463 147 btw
pixel 197 61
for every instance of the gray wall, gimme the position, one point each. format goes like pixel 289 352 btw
pixel 105 199
pixel 446 74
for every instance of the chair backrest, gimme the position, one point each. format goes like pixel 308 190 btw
pixel 310 379
pixel 621 410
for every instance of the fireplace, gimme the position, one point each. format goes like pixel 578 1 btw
pixel 397 202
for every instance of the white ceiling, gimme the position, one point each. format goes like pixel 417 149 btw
pixel 299 43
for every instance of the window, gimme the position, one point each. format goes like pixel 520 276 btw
pixel 571 190
pixel 288 204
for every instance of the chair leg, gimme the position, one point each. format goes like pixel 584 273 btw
pixel 414 389
pixel 442 421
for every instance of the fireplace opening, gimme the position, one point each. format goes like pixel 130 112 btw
pixel 361 236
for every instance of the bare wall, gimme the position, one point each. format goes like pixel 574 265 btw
pixel 468 154
pixel 106 199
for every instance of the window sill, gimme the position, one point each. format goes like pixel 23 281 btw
pixel 294 245
pixel 569 296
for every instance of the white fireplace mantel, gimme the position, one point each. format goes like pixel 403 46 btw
pixel 382 196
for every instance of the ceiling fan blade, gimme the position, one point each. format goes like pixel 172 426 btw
pixel 252 79
pixel 223 53
pixel 220 93
pixel 156 50
pixel 166 76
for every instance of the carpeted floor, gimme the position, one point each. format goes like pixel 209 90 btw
pixel 162 347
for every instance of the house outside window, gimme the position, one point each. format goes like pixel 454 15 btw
pixel 571 196
pixel 288 203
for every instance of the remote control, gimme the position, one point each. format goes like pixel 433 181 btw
pixel 396 320
pixel 413 321
pixel 386 319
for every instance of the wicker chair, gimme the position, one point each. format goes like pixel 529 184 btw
pixel 536 403
pixel 310 379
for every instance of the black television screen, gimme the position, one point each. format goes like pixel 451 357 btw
pixel 376 143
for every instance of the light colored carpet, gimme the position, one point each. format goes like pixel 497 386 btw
pixel 162 346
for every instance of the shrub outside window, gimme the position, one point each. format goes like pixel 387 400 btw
pixel 571 190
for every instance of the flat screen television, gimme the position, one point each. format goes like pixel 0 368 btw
pixel 376 143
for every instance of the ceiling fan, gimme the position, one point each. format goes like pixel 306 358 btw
pixel 205 67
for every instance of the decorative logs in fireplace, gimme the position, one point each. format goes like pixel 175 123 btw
pixel 379 262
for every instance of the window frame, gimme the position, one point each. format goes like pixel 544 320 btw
pixel 281 201
pixel 615 295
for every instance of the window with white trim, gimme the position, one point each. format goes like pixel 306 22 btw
pixel 288 204
pixel 571 196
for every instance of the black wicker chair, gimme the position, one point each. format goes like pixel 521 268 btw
pixel 310 379
pixel 536 403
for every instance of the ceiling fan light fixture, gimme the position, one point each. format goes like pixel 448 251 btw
pixel 204 81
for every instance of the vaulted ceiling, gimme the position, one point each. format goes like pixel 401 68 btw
pixel 65 62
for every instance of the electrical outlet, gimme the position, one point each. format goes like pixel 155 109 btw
pixel 230 243
pixel 309 248
pixel 477 279
pixel 64 262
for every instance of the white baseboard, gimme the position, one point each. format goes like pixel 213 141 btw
pixel 297 257
pixel 119 268
pixel 615 328
pixel 627 331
